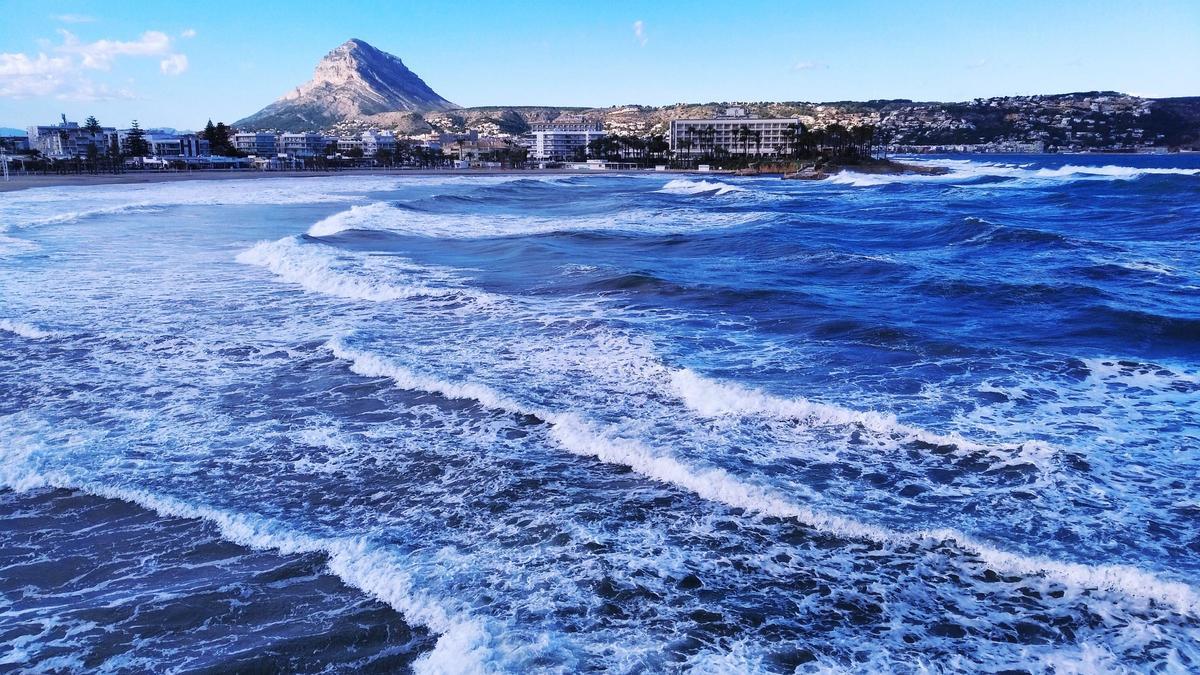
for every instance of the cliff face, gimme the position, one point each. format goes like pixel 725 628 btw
pixel 353 81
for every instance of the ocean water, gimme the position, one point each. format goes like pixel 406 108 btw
pixel 606 423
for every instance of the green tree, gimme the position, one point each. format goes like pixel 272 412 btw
pixel 93 157
pixel 92 125
pixel 136 141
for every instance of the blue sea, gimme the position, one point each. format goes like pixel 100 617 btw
pixel 606 423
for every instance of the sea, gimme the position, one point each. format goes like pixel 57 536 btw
pixel 619 423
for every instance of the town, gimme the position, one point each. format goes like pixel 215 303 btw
pixel 622 137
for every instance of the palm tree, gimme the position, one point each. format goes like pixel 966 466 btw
pixel 789 135
pixel 743 134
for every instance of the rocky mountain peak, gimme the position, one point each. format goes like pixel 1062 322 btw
pixel 354 80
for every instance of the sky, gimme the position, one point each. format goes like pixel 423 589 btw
pixel 178 64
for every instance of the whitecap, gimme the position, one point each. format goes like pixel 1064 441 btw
pixel 581 437
pixel 26 330
pixel 323 269
pixel 683 186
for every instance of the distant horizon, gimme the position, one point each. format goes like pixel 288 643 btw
pixel 177 68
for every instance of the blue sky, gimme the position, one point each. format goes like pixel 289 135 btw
pixel 180 63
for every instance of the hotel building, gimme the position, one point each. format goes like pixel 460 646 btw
pixel 257 144
pixel 696 137
pixel 374 141
pixel 562 139
pixel 304 144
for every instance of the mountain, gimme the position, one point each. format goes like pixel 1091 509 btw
pixel 353 81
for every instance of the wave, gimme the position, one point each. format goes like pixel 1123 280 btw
pixel 402 219
pixel 464 641
pixel 26 330
pixel 323 269
pixel 996 174
pixel 581 437
pixel 83 214
pixel 683 186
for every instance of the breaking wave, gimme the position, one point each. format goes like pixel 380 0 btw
pixel 322 269
pixel 385 217
pixel 970 173
pixel 683 186
pixel 581 437
pixel 26 330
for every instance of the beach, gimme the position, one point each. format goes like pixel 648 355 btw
pixel 26 181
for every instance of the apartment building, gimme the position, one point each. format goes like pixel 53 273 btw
pixel 303 144
pixel 697 137
pixel 374 141
pixel 563 139
pixel 68 139
pixel 257 144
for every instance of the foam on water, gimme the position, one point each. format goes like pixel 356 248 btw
pixel 969 172
pixel 465 641
pixel 583 438
pixel 736 451
pixel 684 186
pixel 322 269
pixel 382 216
pixel 26 330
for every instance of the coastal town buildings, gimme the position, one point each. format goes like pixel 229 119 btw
pixel 565 138
pixel 68 140
pixel 734 132
pixel 304 145
pixel 374 141
pixel 256 143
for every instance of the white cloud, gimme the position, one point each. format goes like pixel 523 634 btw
pixel 45 76
pixel 976 64
pixel 74 18
pixel 188 33
pixel 62 73
pixel 809 65
pixel 100 54
pixel 639 32
pixel 174 64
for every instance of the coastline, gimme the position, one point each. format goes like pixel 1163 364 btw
pixel 30 181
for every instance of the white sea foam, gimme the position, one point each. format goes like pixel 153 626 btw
pixel 381 216
pixel 465 645
pixel 581 437
pixel 326 270
pixel 26 330
pixel 711 399
pixel 961 171
pixel 683 186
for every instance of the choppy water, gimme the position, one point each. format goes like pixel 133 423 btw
pixel 605 423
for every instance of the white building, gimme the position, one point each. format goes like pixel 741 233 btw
pixel 347 145
pixel 257 144
pixel 303 144
pixel 68 139
pixel 374 141
pixel 698 137
pixel 174 145
pixel 562 139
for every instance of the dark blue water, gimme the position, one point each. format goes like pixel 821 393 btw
pixel 606 423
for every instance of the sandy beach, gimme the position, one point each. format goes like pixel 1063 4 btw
pixel 27 181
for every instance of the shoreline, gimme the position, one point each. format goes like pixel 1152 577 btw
pixel 31 181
